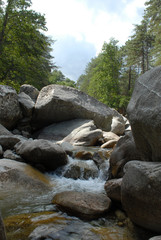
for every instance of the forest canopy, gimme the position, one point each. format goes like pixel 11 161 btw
pixel 110 76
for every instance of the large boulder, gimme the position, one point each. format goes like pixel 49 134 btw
pixel 10 111
pixel 144 115
pixel 124 151
pixel 42 153
pixel 14 174
pixel 82 204
pixel 141 195
pixel 30 91
pixel 57 103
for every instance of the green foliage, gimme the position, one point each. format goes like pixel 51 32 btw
pixel 57 77
pixel 153 13
pixel 24 49
pixel 102 77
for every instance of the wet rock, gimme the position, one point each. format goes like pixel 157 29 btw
pixel 30 90
pixel 84 155
pixel 85 135
pixel 81 170
pixel 26 103
pixel 34 225
pixel 124 152
pixel 10 111
pixel 57 103
pixel 144 115
pixel 42 152
pixel 141 195
pixel 84 205
pixel 113 189
pixel 15 174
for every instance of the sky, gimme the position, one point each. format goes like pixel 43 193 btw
pixel 80 27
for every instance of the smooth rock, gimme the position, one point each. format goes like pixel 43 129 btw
pixel 145 116
pixel 118 125
pixel 11 155
pixel 109 144
pixel 58 131
pixel 10 111
pixel 124 151
pixel 26 103
pixel 85 135
pixel 8 142
pixel 30 90
pixel 82 204
pixel 42 152
pixel 141 195
pixel 57 103
pixel 107 136
pixel 4 131
pixel 21 175
pixel 155 238
pixel 113 189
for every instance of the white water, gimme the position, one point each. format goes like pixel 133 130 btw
pixel 17 201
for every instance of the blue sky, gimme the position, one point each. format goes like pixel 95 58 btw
pixel 80 27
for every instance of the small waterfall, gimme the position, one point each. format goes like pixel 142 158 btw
pixel 89 177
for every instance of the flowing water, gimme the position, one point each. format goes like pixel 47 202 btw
pixel 22 204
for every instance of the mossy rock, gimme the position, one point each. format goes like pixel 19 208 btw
pixel 21 226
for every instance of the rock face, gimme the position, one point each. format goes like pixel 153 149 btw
pixel 13 173
pixel 57 103
pixel 84 205
pixel 42 152
pixel 124 151
pixel 141 195
pixel 145 116
pixel 2 230
pixel 10 111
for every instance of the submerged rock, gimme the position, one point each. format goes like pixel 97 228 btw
pixel 82 204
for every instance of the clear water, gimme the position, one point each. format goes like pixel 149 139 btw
pixel 16 200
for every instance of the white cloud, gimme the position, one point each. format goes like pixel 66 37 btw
pixel 88 23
